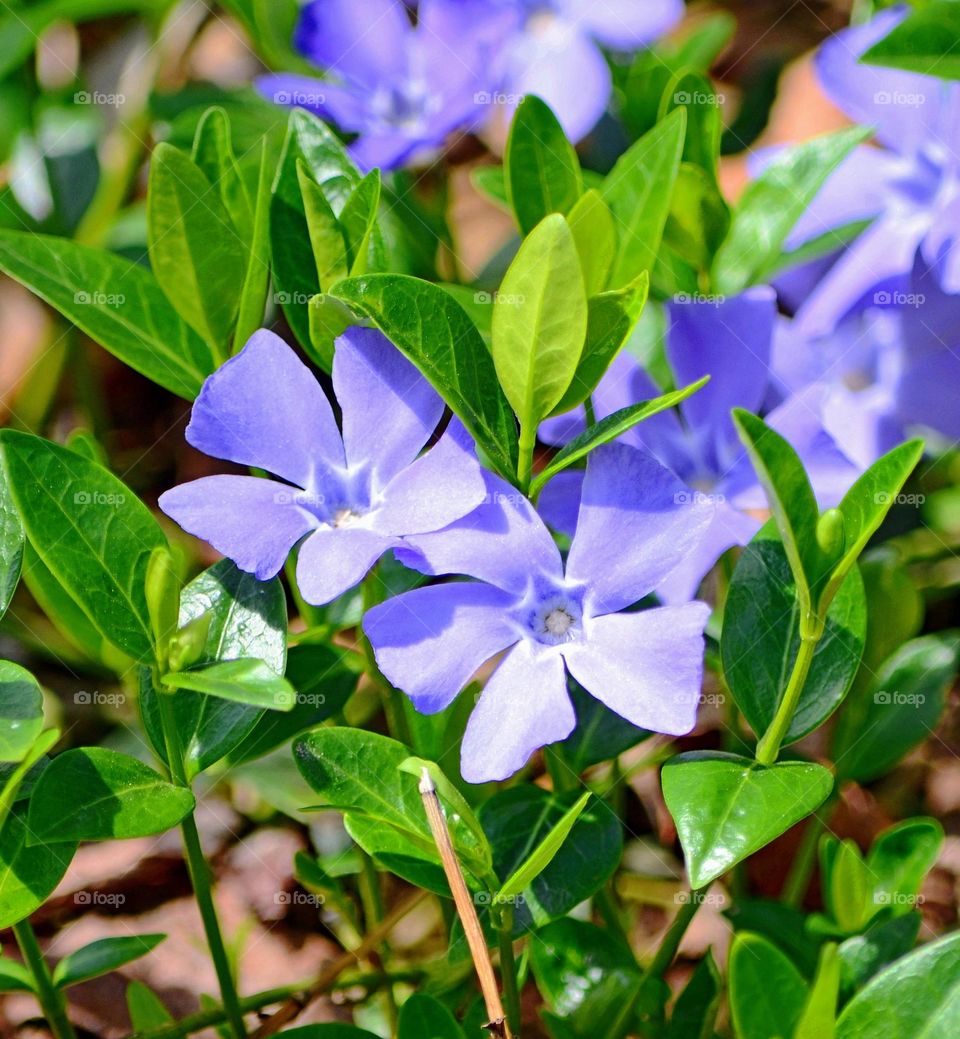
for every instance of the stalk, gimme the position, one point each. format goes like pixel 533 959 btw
pixel 768 748
pixel 48 995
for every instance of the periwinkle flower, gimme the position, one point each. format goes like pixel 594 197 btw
pixel 401 88
pixel 634 526
pixel 354 493
pixel 908 187
pixel 729 339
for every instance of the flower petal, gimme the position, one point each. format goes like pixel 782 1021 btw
pixel 440 486
pixel 503 542
pixel 389 409
pixel 264 408
pixel 334 559
pixel 524 706
pixel 637 521
pixel 646 666
pixel 559 501
pixel 430 642
pixel 624 24
pixel 252 521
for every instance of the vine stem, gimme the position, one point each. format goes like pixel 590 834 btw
pixel 801 869
pixel 508 968
pixel 200 872
pixel 48 995
pixel 768 748
pixel 671 940
pixel 528 443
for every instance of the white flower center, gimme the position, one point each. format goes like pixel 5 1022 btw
pixel 558 622
pixel 345 517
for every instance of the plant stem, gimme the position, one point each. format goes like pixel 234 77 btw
pixel 798 879
pixel 528 442
pixel 768 748
pixel 48 996
pixel 671 940
pixel 199 871
pixel 508 969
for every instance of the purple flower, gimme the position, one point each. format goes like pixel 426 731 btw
pixel 729 339
pixel 556 54
pixel 355 493
pixel 401 89
pixel 909 187
pixel 549 620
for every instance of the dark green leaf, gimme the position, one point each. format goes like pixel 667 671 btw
pixel 694 92
pixel 93 794
pixel 14 976
pixel 899 860
pixel 767 992
pixel 600 735
pixel 727 807
pixel 90 531
pixel 925 42
pixel 102 957
pixel 884 941
pixel 115 302
pixel 11 545
pixel 695 1011
pixel 21 711
pixel 423 1017
pixel 28 873
pixel 542 169
pixel 432 330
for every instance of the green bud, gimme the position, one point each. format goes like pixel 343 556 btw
pixel 163 596
pixel 830 535
pixel 188 646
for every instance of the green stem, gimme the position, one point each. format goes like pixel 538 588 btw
pixel 199 872
pixel 589 412
pixel 768 748
pixel 801 869
pixel 528 442
pixel 671 940
pixel 49 997
pixel 508 970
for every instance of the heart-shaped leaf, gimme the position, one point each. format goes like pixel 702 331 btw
pixel 767 992
pixel 727 807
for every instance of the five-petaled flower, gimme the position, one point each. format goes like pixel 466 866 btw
pixel 645 665
pixel 355 493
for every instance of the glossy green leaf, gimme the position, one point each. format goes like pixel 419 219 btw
pixel 781 924
pixel 28 872
pixel 518 819
pixel 608 429
pixel 918 995
pixel 432 330
pixel 542 169
pixel 611 318
pixel 925 42
pixel 540 321
pixel 884 941
pixel 586 976
pixel 253 294
pixel 761 639
pixel 117 303
pixel 359 773
pixel 699 218
pixel 846 884
pixel 694 92
pixel 595 236
pixel 638 191
pixel 900 858
pixel 14 976
pixel 247 618
pixel 358 221
pixel 95 794
pixel 326 236
pixel 145 1008
pixel 102 957
pixel 17 779
pixel 423 1017
pixel 328 319
pixel 21 711
pixel 767 993
pixel 771 206
pixel 245 680
pixel 90 531
pixel 695 1011
pixel 213 154
pixel 900 708
pixel 11 545
pixel 727 807
pixel 196 254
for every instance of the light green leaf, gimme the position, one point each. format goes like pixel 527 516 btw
pixel 102 957
pixel 245 680
pixel 326 237
pixel 11 545
pixel 925 42
pixel 359 220
pixel 28 872
pixel 145 1009
pixel 595 236
pixel 767 992
pixel 14 976
pixel 21 711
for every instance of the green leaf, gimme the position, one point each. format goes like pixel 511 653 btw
pixel 518 819
pixel 727 807
pixel 600 733
pixel 246 618
pixel 586 976
pixel 11 545
pixel 899 860
pixel 767 993
pixel 359 220
pixel 14 976
pixel 423 1017
pixel 328 319
pixel 196 253
pixel 608 429
pixel 542 169
pixel 360 773
pixel 17 780
pixel 638 191
pixel 117 303
pixel 311 142
pixel 699 218
pixel 761 639
pixel 595 236
pixel 213 154
pixel 433 331
pixel 244 680
pixel 694 92
pixel 145 1009
pixel 90 531
pixel 771 206
pixel 544 853
pixel 491 182
pixel 695 1011
pixel 94 794
pixel 901 707
pixel 846 884
pixel 611 318
pixel 21 711
pixel 28 873
pixel 253 294
pixel 455 801
pixel 326 236
pixel 328 1032
pixel 102 957
pixel 540 321
pixel 918 995
pixel 925 42
pixel 884 941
